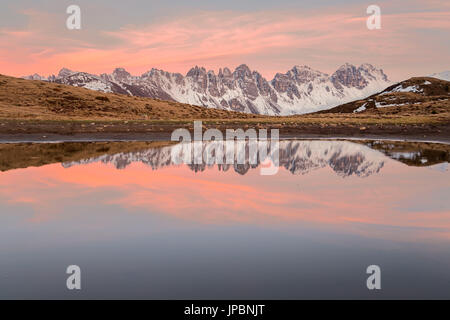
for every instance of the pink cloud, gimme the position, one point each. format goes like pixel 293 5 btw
pixel 323 39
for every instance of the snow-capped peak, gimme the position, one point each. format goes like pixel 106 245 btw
pixel 64 72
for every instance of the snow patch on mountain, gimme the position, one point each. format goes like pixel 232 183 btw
pixel 400 88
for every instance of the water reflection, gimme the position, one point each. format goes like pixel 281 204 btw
pixel 359 158
pixel 309 186
pixel 155 230
pixel 299 157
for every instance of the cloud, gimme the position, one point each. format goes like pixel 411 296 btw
pixel 269 41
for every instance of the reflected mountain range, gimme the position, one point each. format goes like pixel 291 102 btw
pixel 299 157
pixel 345 158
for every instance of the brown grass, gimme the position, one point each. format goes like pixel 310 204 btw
pixel 39 100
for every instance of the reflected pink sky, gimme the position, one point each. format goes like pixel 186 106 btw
pixel 399 202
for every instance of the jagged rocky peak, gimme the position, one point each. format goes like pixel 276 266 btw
pixel 225 73
pixel 35 76
pixel 368 67
pixel 106 77
pixel 120 74
pixel 243 71
pixel 349 76
pixel 372 73
pixel 151 73
pixel 64 72
pixel 199 77
pixel 346 67
pixel 303 74
pixel 160 76
pixel 298 75
pixel 196 72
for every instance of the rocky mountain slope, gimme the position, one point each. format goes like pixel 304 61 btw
pixel 39 100
pixel 298 91
pixel 420 95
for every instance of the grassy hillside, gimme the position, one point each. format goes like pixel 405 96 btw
pixel 40 100
pixel 412 97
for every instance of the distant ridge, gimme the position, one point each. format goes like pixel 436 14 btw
pixel 445 75
pixel 300 90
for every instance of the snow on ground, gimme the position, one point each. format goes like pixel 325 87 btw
pixel 360 109
pixel 379 105
pixel 98 86
pixel 399 88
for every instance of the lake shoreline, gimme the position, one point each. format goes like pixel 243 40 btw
pixel 54 138
pixel 49 131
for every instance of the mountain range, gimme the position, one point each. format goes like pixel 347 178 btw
pixel 298 91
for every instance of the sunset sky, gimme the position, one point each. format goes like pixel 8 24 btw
pixel 268 36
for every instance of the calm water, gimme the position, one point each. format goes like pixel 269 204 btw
pixel 141 227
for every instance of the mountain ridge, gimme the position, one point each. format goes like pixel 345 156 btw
pixel 421 95
pixel 300 90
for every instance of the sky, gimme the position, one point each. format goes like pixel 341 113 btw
pixel 268 36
